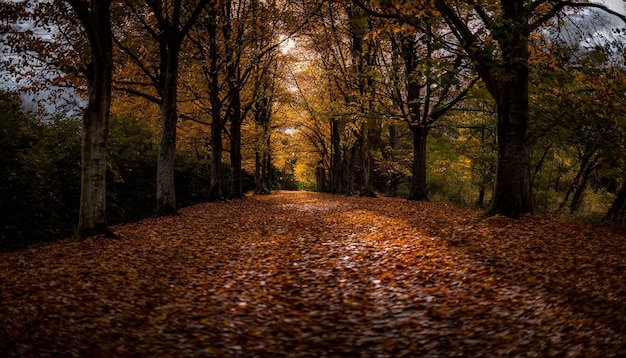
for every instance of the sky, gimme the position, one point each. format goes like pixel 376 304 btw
pixel 44 103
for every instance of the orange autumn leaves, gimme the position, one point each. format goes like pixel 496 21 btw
pixel 307 274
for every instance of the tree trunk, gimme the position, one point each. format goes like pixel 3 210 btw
pixel 92 218
pixel 349 160
pixel 419 191
pixel 217 171
pixel 512 195
pixel 481 197
pixel 580 189
pixel 235 159
pixel 367 162
pixel 616 213
pixel 258 185
pixel 261 177
pixel 586 164
pixel 506 78
pixel 216 187
pixel 512 192
pixel 335 162
pixel 267 168
pixel 394 145
pixel 166 190
pixel 320 178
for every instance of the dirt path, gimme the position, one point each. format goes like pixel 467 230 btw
pixel 305 274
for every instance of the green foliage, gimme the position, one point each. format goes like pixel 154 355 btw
pixel 131 170
pixel 577 142
pixel 131 181
pixel 307 186
pixel 449 178
pixel 39 177
pixel 284 179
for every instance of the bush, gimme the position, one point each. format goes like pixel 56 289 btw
pixel 284 179
pixel 39 177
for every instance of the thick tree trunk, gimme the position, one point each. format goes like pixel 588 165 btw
pixel 506 77
pixel 512 192
pixel 512 196
pixel 92 217
pixel 166 190
pixel 419 191
pixel 216 187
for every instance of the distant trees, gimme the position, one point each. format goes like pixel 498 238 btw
pixel 235 46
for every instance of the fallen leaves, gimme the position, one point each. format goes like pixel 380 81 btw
pixel 307 274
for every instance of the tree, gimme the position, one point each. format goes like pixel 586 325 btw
pixel 496 38
pixel 85 48
pixel 167 26
pixel 347 56
pixel 95 18
pixel 263 108
pixel 209 51
pixel 578 148
pixel 434 84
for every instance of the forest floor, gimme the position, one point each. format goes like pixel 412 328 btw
pixel 313 275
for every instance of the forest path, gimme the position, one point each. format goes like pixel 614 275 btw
pixel 308 274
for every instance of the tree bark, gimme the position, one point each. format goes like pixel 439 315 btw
pixel 512 192
pixel 216 187
pixel 217 171
pixel 512 196
pixel 168 33
pixel 335 162
pixel 96 22
pixel 367 162
pixel 263 166
pixel 261 172
pixel 166 190
pixel 417 120
pixel 235 141
pixel 506 78
pixel 616 213
pixel 419 190
pixel 235 160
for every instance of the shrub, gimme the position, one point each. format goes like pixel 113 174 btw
pixel 39 177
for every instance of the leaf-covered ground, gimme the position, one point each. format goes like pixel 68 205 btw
pixel 313 275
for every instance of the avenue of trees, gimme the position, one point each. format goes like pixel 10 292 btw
pixel 514 106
